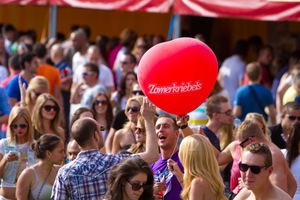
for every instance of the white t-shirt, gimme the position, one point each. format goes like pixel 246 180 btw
pixel 78 62
pixel 105 76
pixel 23 161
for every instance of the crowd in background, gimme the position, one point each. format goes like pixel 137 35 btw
pixel 85 96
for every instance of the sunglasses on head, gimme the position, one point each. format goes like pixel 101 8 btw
pixel 227 112
pixel 36 93
pixel 254 168
pixel 22 126
pixel 137 91
pixel 133 109
pixel 242 143
pixel 292 118
pixel 136 186
pixel 103 102
pixel 48 108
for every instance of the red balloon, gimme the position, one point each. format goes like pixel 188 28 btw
pixel 177 76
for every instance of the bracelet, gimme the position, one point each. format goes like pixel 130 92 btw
pixel 183 127
pixel 23 103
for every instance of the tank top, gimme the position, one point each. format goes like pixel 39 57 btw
pixel 45 194
pixel 235 171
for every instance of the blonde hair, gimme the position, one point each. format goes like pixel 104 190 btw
pixel 15 114
pixel 36 82
pixel 226 136
pixel 198 160
pixel 261 120
pixel 138 99
pixel 37 117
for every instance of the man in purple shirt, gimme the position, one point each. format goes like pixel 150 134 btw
pixel 166 185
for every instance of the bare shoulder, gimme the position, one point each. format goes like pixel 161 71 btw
pixel 280 194
pixel 243 194
pixel 27 175
pixel 119 133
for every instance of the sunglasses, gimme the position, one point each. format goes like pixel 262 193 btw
pixel 36 93
pixel 140 130
pixel 103 102
pixel 254 168
pixel 133 109
pixel 87 73
pixel 22 126
pixel 242 143
pixel 136 186
pixel 142 46
pixel 124 63
pixel 48 108
pixel 292 118
pixel 137 91
pixel 227 112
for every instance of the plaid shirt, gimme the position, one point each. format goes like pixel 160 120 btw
pixel 86 176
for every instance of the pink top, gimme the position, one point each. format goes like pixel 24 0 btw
pixel 235 171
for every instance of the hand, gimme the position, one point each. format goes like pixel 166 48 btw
pixel 182 120
pixel 11 157
pixel 157 188
pixel 241 183
pixel 148 109
pixel 173 167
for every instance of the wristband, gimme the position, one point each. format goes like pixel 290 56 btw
pixel 183 127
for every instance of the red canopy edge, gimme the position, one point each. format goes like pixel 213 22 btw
pixel 247 9
pixel 24 2
pixel 156 6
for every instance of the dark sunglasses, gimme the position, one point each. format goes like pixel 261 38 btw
pixel 141 130
pixel 136 187
pixel 292 118
pixel 22 126
pixel 142 46
pixel 242 143
pixel 36 93
pixel 133 109
pixel 87 73
pixel 227 112
pixel 137 91
pixel 48 108
pixel 124 63
pixel 103 102
pixel 254 168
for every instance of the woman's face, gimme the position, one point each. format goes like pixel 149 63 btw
pixel 129 193
pixel 49 110
pixel 130 79
pixel 20 127
pixel 57 155
pixel 133 111
pixel 101 105
pixel 140 133
pixel 35 93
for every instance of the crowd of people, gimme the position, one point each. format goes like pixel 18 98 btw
pixel 76 124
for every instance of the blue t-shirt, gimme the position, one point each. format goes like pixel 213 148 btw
pixel 13 89
pixel 162 174
pixel 247 101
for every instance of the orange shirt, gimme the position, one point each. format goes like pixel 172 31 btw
pixel 51 74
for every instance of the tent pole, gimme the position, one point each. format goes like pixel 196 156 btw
pixel 177 26
pixel 52 21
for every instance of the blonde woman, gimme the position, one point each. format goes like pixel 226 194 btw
pixel 37 86
pixel 258 118
pixel 201 179
pixel 46 117
pixel 124 137
pixel 15 152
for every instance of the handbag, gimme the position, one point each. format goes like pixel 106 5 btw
pixel 232 195
pixel 265 115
